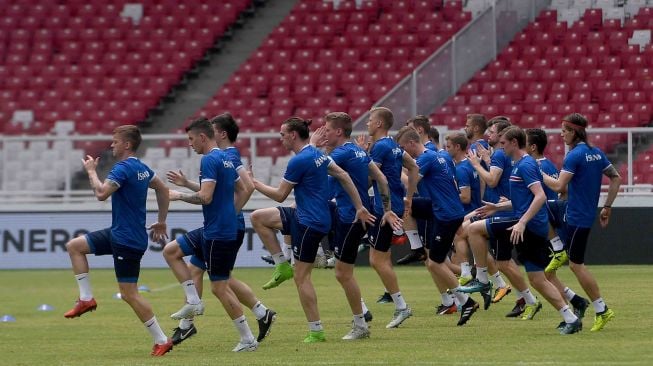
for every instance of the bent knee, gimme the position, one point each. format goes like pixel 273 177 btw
pixel 78 245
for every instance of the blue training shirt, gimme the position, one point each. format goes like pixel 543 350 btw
pixel 501 161
pixel 439 184
pixel 234 156
pixel 389 157
pixel 547 167
pixel 451 165
pixel 587 164
pixel 220 222
pixel 128 203
pixel 474 145
pixel 308 171
pixel 524 174
pixel 355 161
pixel 430 145
pixel 467 177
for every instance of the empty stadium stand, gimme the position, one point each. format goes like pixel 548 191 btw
pixel 596 63
pixel 98 64
pixel 322 58
pixel 94 62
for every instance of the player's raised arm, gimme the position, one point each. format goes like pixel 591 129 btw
pixel 101 190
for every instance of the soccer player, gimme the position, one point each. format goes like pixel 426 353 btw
pixel 336 135
pixel 438 183
pixel 475 126
pixel 415 228
pixel 496 187
pixel 536 141
pixel 581 173
pixel 390 158
pixel 469 186
pixel 219 183
pixel 527 229
pixel 226 132
pixel 309 222
pixel 126 240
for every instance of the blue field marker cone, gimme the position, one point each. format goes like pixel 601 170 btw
pixel 143 288
pixel 45 307
pixel 7 319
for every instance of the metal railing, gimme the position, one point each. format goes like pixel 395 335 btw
pixel 630 138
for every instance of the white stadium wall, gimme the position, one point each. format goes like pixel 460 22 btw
pixel 37 240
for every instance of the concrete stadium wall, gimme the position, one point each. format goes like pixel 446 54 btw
pixel 37 239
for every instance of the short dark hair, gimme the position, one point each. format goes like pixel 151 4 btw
pixel 434 134
pixel 340 120
pixel 226 122
pixel 201 125
pixel 478 120
pixel 537 137
pixel 131 134
pixel 458 138
pixel 386 116
pixel 502 122
pixel 420 121
pixel 298 125
pixel 516 133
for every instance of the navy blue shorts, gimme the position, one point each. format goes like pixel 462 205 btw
pixel 221 257
pixel 422 208
pixel 126 260
pixel 331 236
pixel 347 237
pixel 425 230
pixel 380 237
pixel 191 244
pixel 440 244
pixel 304 240
pixel 422 211
pixel 533 251
pixel 576 243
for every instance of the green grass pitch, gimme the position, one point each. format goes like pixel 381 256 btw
pixel 112 335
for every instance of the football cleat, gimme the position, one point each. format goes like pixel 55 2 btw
pixel 189 311
pixel 179 335
pixel 282 272
pixel 399 316
pixel 162 349
pixel 357 333
pixel 446 309
pixel 531 310
pixel 81 307
pixel 315 336
pixel 600 320
pixel 265 323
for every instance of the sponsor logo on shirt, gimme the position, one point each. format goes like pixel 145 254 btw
pixel 592 157
pixel 319 161
pixel 143 175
